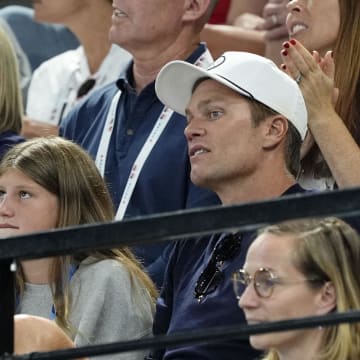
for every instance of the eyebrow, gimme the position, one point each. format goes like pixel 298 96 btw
pixel 22 186
pixel 204 103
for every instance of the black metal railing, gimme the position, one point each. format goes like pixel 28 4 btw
pixel 157 228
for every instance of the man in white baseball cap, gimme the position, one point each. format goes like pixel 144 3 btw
pixel 250 75
pixel 246 120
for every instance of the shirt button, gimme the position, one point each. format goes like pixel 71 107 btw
pixel 130 132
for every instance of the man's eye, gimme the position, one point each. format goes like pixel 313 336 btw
pixel 215 114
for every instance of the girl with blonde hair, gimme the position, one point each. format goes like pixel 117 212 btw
pixel 95 296
pixel 11 108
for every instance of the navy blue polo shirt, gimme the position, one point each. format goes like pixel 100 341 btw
pixel 178 310
pixel 164 183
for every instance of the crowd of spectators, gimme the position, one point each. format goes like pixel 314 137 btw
pixel 205 102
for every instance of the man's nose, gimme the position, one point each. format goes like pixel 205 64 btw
pixel 193 130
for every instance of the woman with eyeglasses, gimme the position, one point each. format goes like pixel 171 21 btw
pixel 315 273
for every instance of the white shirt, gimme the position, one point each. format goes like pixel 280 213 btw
pixel 321 184
pixel 55 83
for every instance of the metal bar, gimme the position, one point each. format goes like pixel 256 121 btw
pixel 7 306
pixel 207 335
pixel 175 225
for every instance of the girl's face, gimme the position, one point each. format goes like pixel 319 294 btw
pixel 25 206
pixel 315 23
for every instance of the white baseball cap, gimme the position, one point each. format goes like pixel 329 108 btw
pixel 248 74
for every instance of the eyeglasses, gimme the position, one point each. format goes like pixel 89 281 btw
pixel 209 279
pixel 85 87
pixel 263 281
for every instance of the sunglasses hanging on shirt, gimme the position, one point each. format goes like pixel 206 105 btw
pixel 85 87
pixel 226 249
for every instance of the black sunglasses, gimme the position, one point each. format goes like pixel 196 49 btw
pixel 85 87
pixel 210 278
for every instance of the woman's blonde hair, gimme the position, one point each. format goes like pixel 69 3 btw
pixel 328 249
pixel 11 105
pixel 67 171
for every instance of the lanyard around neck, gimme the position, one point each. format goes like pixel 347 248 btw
pixel 203 61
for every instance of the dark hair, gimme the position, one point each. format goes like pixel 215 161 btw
pixel 347 79
pixel 259 113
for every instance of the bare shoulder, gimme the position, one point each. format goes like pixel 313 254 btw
pixel 34 333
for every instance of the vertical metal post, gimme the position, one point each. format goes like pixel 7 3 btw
pixel 7 307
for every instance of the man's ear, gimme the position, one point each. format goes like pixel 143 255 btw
pixel 195 9
pixel 276 128
pixel 326 301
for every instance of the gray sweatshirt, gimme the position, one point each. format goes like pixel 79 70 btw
pixel 107 306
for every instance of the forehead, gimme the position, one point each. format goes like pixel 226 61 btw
pixel 14 175
pixel 212 90
pixel 206 85
pixel 271 251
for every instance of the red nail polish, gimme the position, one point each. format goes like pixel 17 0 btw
pixel 283 66
pixel 332 54
pixel 284 52
pixel 293 42
pixel 286 45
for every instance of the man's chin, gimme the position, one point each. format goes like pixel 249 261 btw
pixel 200 180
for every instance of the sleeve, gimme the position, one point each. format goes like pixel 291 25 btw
pixel 87 118
pixel 157 268
pixel 41 95
pixel 68 128
pixel 164 303
pixel 75 124
pixel 108 308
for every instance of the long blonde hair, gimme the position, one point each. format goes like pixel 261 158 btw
pixel 66 170
pixel 11 105
pixel 328 249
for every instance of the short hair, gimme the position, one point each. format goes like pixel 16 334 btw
pixel 207 14
pixel 328 249
pixel 11 104
pixel 211 9
pixel 260 112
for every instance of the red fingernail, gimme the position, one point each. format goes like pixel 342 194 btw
pixel 283 66
pixel 293 42
pixel 284 52
pixel 286 44
pixel 332 54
